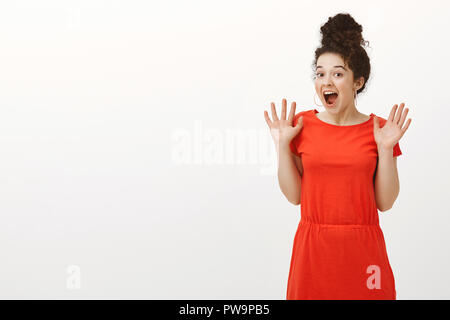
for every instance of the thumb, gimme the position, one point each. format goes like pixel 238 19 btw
pixel 376 124
pixel 299 124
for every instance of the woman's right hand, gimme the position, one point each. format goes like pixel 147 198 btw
pixel 282 130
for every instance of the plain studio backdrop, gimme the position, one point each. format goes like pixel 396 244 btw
pixel 136 162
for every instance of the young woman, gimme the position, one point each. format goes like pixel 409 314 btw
pixel 341 166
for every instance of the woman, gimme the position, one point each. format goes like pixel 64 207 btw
pixel 341 166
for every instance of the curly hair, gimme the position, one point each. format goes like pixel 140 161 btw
pixel 341 34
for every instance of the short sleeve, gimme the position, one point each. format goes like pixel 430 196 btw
pixel 397 150
pixel 294 144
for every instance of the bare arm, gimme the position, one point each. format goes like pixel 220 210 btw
pixel 387 185
pixel 289 165
pixel 289 174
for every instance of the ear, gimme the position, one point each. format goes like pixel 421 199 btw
pixel 358 83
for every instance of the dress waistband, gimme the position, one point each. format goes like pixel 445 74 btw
pixel 304 221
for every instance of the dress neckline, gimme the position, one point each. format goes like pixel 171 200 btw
pixel 334 125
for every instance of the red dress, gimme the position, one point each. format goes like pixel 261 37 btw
pixel 339 250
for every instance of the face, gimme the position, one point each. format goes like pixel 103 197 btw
pixel 333 75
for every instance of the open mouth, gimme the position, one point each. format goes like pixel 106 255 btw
pixel 330 98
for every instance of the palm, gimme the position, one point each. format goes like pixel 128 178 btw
pixel 392 131
pixel 282 130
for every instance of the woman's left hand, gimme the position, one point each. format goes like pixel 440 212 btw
pixel 393 130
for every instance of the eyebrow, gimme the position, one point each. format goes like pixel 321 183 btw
pixel 334 67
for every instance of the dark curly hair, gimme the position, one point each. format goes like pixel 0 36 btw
pixel 341 34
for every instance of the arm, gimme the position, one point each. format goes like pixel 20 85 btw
pixel 387 185
pixel 289 174
pixel 283 132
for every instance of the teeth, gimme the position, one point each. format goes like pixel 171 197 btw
pixel 329 92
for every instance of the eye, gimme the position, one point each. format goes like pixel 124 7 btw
pixel 319 73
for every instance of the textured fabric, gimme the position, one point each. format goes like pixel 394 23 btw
pixel 339 249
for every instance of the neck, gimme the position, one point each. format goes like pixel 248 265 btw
pixel 345 115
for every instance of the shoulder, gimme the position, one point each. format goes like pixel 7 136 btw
pixel 303 113
pixel 381 120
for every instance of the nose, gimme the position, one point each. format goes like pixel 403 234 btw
pixel 327 81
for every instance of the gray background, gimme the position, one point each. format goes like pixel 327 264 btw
pixel 136 162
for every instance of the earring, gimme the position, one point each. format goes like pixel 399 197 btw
pixel 356 98
pixel 321 105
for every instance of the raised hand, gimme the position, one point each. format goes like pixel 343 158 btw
pixel 282 130
pixel 393 130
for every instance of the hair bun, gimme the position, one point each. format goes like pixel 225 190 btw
pixel 342 30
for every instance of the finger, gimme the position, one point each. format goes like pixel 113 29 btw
pixel 403 118
pixel 375 122
pixel 266 116
pixel 283 109
pixel 406 126
pixel 292 112
pixel 300 122
pixel 399 113
pixel 298 126
pixel 392 113
pixel 274 112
